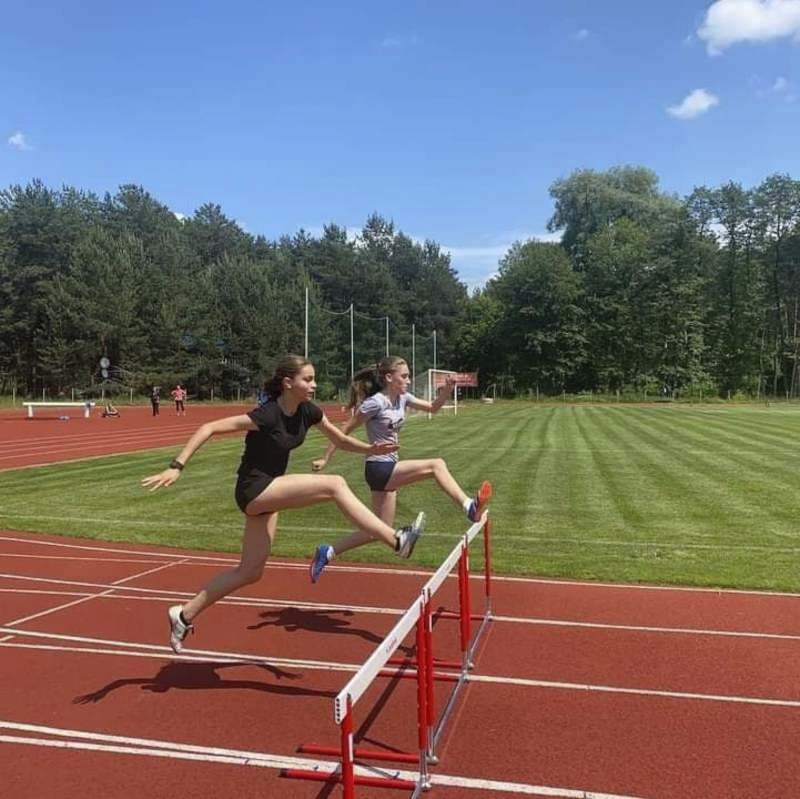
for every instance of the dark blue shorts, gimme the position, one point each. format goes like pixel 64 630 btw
pixel 377 474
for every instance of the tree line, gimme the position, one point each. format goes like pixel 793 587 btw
pixel 645 291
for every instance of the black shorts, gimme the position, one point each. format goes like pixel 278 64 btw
pixel 378 473
pixel 179 405
pixel 249 486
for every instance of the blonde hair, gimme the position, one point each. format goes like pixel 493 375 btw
pixel 372 379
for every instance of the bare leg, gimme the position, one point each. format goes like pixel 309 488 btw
pixel 384 504
pixel 259 532
pixel 303 490
pixel 407 472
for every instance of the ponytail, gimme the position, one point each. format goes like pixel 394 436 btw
pixel 288 366
pixel 371 380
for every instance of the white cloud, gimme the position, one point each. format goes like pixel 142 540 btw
pixel 729 22
pixel 781 89
pixel 477 265
pixel 694 104
pixel 780 86
pixel 580 35
pixel 19 142
pixel 403 40
pixel 179 216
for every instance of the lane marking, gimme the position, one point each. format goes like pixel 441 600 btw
pixel 165 595
pixel 154 650
pixel 356 569
pixel 110 588
pixel 119 744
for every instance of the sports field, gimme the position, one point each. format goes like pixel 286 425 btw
pixel 701 495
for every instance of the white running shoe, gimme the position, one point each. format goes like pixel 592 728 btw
pixel 407 536
pixel 177 629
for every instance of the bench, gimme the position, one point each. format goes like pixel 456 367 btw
pixel 87 406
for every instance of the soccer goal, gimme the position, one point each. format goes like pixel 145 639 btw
pixel 427 385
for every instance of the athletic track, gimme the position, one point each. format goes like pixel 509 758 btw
pixel 579 690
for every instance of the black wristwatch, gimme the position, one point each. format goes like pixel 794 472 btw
pixel 176 464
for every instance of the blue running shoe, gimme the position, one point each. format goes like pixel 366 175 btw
pixel 478 505
pixel 322 557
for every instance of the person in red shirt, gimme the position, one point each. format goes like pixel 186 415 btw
pixel 179 395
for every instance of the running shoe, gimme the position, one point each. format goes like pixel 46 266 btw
pixel 407 536
pixel 478 505
pixel 322 557
pixel 178 630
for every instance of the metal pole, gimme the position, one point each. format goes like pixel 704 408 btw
pixel 387 336
pixel 434 349
pixel 348 783
pixel 352 354
pixel 413 356
pixel 305 354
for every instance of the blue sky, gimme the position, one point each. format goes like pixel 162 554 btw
pixel 452 118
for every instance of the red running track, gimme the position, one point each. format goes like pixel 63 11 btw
pixel 579 690
pixel 46 439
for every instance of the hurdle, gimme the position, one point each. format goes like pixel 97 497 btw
pixel 423 668
pixel 87 406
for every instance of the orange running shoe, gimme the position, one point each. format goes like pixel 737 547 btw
pixel 478 505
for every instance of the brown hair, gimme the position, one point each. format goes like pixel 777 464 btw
pixel 288 366
pixel 371 380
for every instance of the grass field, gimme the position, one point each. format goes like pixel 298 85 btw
pixel 701 495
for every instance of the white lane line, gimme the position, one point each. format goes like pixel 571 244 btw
pixel 646 628
pixel 120 582
pixel 118 744
pixel 84 558
pixel 355 569
pixel 133 646
pixel 610 689
pixel 165 595
pixel 154 650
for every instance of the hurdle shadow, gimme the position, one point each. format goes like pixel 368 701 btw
pixel 204 677
pixel 322 622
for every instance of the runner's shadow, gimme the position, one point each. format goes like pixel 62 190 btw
pixel 317 621
pixel 203 676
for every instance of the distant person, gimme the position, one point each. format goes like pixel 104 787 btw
pixel 155 399
pixel 179 395
pixel 110 412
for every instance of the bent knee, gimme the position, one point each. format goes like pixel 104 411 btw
pixel 250 575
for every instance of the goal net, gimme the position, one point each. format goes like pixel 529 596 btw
pixel 426 386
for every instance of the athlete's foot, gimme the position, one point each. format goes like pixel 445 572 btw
pixel 322 557
pixel 178 629
pixel 478 505
pixel 406 537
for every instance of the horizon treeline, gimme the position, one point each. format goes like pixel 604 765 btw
pixel 645 292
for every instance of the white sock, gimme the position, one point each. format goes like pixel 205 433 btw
pixel 467 502
pixel 330 554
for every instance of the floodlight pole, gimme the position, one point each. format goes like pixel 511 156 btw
pixel 305 354
pixel 387 336
pixel 413 355
pixel 434 349
pixel 352 355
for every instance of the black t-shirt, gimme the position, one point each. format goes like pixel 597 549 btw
pixel 267 449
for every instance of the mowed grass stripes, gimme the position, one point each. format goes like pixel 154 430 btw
pixel 699 495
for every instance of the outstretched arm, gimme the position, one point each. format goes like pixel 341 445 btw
pixel 351 424
pixel 342 441
pixel 442 395
pixel 230 424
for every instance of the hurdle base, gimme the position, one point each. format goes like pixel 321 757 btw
pixel 333 776
pixel 360 753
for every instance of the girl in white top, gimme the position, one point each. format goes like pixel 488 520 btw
pixel 381 395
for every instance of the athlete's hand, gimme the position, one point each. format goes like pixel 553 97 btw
pixel 383 449
pixel 448 385
pixel 162 479
pixel 319 464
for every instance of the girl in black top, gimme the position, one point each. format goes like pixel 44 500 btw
pixel 263 488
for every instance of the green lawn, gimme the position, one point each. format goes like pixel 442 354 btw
pixel 703 495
